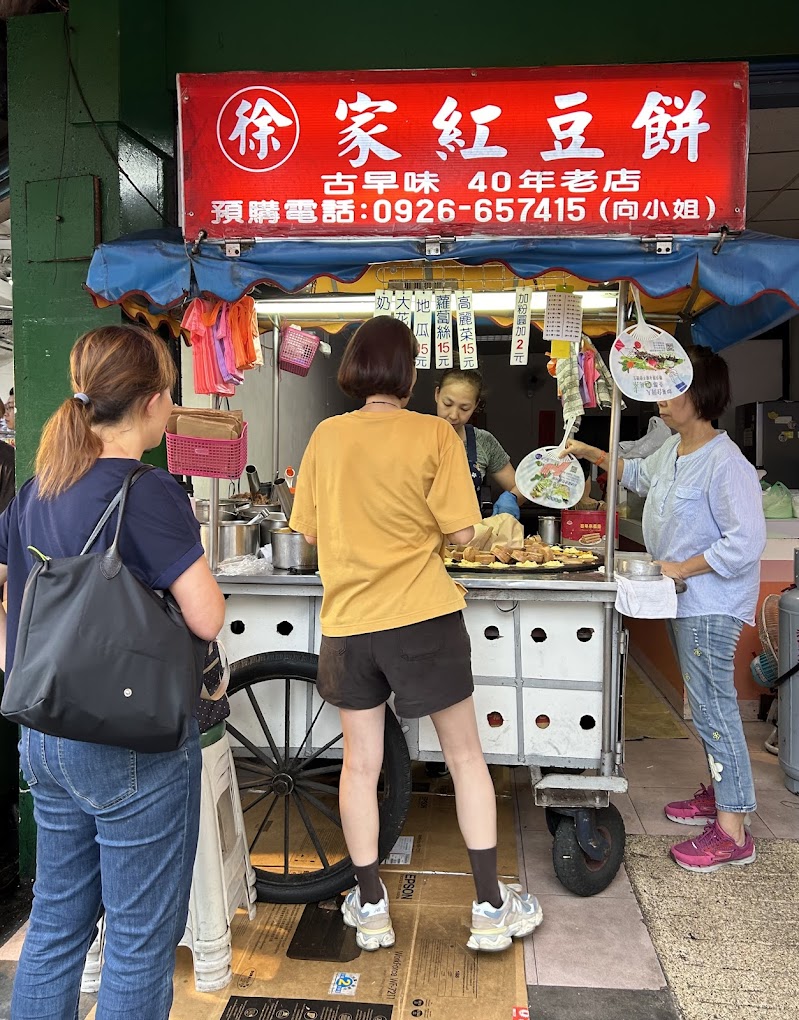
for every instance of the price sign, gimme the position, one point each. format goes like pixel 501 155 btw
pixel 443 330
pixel 423 325
pixel 563 318
pixel 384 302
pixel 520 336
pixel 467 334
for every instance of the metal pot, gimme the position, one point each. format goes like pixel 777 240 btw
pixel 289 549
pixel 227 510
pixel 635 566
pixel 236 538
pixel 268 520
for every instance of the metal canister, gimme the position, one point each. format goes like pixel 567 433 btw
pixel 788 708
pixel 549 530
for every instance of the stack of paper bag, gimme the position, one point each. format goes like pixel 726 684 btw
pixel 204 423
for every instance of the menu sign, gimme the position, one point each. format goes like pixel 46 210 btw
pixel 541 151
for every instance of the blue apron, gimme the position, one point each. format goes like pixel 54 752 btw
pixel 471 456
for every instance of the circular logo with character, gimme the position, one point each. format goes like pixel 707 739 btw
pixel 258 129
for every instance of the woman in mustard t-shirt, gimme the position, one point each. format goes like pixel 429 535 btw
pixel 379 490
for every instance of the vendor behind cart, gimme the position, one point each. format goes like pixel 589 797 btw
pixel 703 521
pixel 379 490
pixel 458 395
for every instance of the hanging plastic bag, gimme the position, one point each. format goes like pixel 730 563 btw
pixel 656 435
pixel 777 502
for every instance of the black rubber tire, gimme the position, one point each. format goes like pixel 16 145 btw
pixel 578 873
pixel 321 885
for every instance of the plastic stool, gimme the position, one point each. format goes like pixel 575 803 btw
pixel 223 878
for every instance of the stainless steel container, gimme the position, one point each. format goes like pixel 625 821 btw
pixel 634 566
pixel 289 549
pixel 549 530
pixel 227 510
pixel 269 520
pixel 236 538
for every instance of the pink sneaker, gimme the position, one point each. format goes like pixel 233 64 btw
pixel 699 810
pixel 712 849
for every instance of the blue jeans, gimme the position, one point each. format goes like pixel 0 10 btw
pixel 117 831
pixel 705 647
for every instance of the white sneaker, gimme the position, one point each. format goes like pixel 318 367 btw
pixel 494 928
pixel 373 922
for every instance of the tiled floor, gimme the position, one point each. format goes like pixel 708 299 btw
pixel 601 942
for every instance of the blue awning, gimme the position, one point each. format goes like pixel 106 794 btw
pixel 755 277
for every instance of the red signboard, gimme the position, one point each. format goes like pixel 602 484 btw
pixel 545 151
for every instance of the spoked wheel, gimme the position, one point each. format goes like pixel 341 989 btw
pixel 578 872
pixel 288 766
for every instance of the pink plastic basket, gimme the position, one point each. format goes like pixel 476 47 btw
pixel 207 458
pixel 297 350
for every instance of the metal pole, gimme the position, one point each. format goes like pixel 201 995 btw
pixel 275 399
pixel 610 684
pixel 213 512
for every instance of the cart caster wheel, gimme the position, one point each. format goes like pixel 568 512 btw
pixel 575 870
pixel 553 818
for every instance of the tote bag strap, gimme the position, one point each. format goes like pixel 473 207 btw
pixel 132 477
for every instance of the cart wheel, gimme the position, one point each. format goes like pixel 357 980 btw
pixel 553 818
pixel 288 767
pixel 578 872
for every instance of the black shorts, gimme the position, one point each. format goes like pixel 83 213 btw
pixel 428 667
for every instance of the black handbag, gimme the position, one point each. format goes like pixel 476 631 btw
pixel 101 657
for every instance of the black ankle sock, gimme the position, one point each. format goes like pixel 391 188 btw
pixel 484 869
pixel 368 878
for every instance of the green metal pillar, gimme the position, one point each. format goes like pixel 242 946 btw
pixel 91 156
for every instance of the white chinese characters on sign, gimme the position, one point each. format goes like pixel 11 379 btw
pixel 443 334
pixel 257 129
pixel 448 118
pixel 255 125
pixel 571 127
pixel 227 212
pixel 356 136
pixel 686 124
pixel 423 325
pixel 520 334
pixel 467 335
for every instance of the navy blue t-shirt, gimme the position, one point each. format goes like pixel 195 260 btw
pixel 160 536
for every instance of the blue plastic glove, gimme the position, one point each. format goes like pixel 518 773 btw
pixel 507 504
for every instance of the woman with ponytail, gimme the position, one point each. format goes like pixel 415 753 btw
pixel 116 829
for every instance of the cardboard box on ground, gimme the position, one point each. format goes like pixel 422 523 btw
pixel 428 974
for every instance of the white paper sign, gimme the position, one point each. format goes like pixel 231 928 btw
pixel 520 336
pixel 443 333
pixel 563 318
pixel 403 306
pixel 467 335
pixel 384 302
pixel 423 302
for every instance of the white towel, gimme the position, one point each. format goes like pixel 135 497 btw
pixel 646 600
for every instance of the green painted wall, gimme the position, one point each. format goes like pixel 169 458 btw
pixel 204 37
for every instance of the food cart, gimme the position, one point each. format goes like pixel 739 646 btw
pixel 548 651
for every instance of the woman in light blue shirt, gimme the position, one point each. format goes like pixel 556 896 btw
pixel 703 521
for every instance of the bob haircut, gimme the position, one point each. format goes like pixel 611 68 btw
pixel 379 358
pixel 710 390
